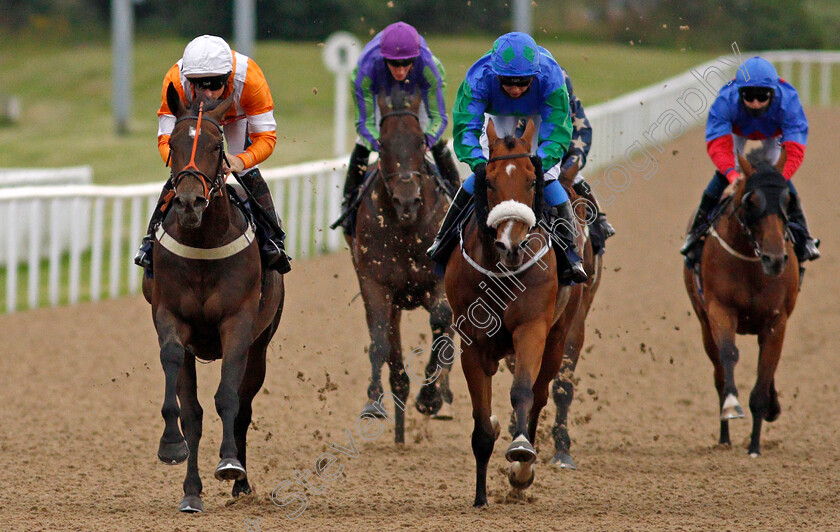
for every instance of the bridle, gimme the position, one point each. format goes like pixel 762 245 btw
pixel 212 187
pixel 404 177
pixel 741 216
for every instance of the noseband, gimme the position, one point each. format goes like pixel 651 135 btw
pixel 211 187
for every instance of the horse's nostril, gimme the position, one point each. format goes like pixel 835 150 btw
pixel 199 203
pixel 417 202
pixel 500 246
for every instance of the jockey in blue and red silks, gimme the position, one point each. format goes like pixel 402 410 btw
pixel 756 105
pixel 396 57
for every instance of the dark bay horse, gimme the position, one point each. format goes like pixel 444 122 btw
pixel 396 222
pixel 580 302
pixel 747 284
pixel 210 300
pixel 502 284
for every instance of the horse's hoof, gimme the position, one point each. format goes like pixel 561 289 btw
pixel 191 504
pixel 563 461
pixel 372 408
pixel 429 401
pixel 731 409
pixel 521 475
pixel 241 487
pixel 521 450
pixel 754 454
pixel 230 469
pixel 497 427
pixel 173 453
pixel 445 413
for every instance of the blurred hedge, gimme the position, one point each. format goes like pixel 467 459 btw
pixel 701 24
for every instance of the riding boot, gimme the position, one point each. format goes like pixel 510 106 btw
pixel 808 250
pixel 563 233
pixel 442 247
pixel 446 164
pixel 700 224
pixel 269 233
pixel 583 189
pixel 143 258
pixel 356 170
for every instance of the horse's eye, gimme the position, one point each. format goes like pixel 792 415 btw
pixel 533 184
pixel 490 187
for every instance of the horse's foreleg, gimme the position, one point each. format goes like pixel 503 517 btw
pixel 563 392
pixel 397 375
pixel 172 449
pixel 251 384
pixel 764 401
pixel 377 314
pixel 486 428
pixel 191 420
pixel 235 336
pixel 529 343
pixel 435 397
pixel 722 326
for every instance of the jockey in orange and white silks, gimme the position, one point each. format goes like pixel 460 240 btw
pixel 209 71
pixel 211 61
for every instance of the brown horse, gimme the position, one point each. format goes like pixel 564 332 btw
pixel 210 300
pixel 747 283
pixel 397 220
pixel 580 302
pixel 503 287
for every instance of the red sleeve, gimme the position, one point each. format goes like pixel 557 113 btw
pixel 795 155
pixel 721 152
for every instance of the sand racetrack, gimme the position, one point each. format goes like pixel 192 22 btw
pixel 82 388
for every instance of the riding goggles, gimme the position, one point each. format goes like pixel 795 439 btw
pixel 400 63
pixel 212 83
pixel 759 94
pixel 516 81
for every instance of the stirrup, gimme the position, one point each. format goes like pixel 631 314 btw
pixel 606 227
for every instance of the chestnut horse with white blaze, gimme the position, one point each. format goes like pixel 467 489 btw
pixel 503 286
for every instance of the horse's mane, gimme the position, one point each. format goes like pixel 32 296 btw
pixel 401 99
pixel 482 209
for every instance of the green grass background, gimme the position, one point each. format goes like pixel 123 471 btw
pixel 65 91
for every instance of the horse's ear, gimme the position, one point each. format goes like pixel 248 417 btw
pixel 218 113
pixel 491 132
pixel 416 100
pixel 780 164
pixel 528 136
pixel 745 165
pixel 173 100
pixel 384 105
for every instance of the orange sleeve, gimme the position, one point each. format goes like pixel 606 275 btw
pixel 165 116
pixel 258 106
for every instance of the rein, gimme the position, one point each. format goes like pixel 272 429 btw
pixel 509 156
pixel 214 187
pixel 507 273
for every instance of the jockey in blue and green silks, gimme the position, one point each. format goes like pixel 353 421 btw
pixel 516 79
pixel 397 57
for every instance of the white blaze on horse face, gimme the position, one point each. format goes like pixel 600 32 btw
pixel 504 238
pixel 510 168
pixel 192 132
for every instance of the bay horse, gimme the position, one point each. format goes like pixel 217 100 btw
pixel 747 283
pixel 396 222
pixel 505 304
pixel 210 300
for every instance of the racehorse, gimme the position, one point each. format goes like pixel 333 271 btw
pixel 747 283
pixel 580 302
pixel 210 300
pixel 502 284
pixel 397 221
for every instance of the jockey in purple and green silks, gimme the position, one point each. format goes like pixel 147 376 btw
pixel 396 57
pixel 516 80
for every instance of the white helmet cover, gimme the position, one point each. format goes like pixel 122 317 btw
pixel 207 55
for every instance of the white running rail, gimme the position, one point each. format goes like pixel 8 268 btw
pixel 106 223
